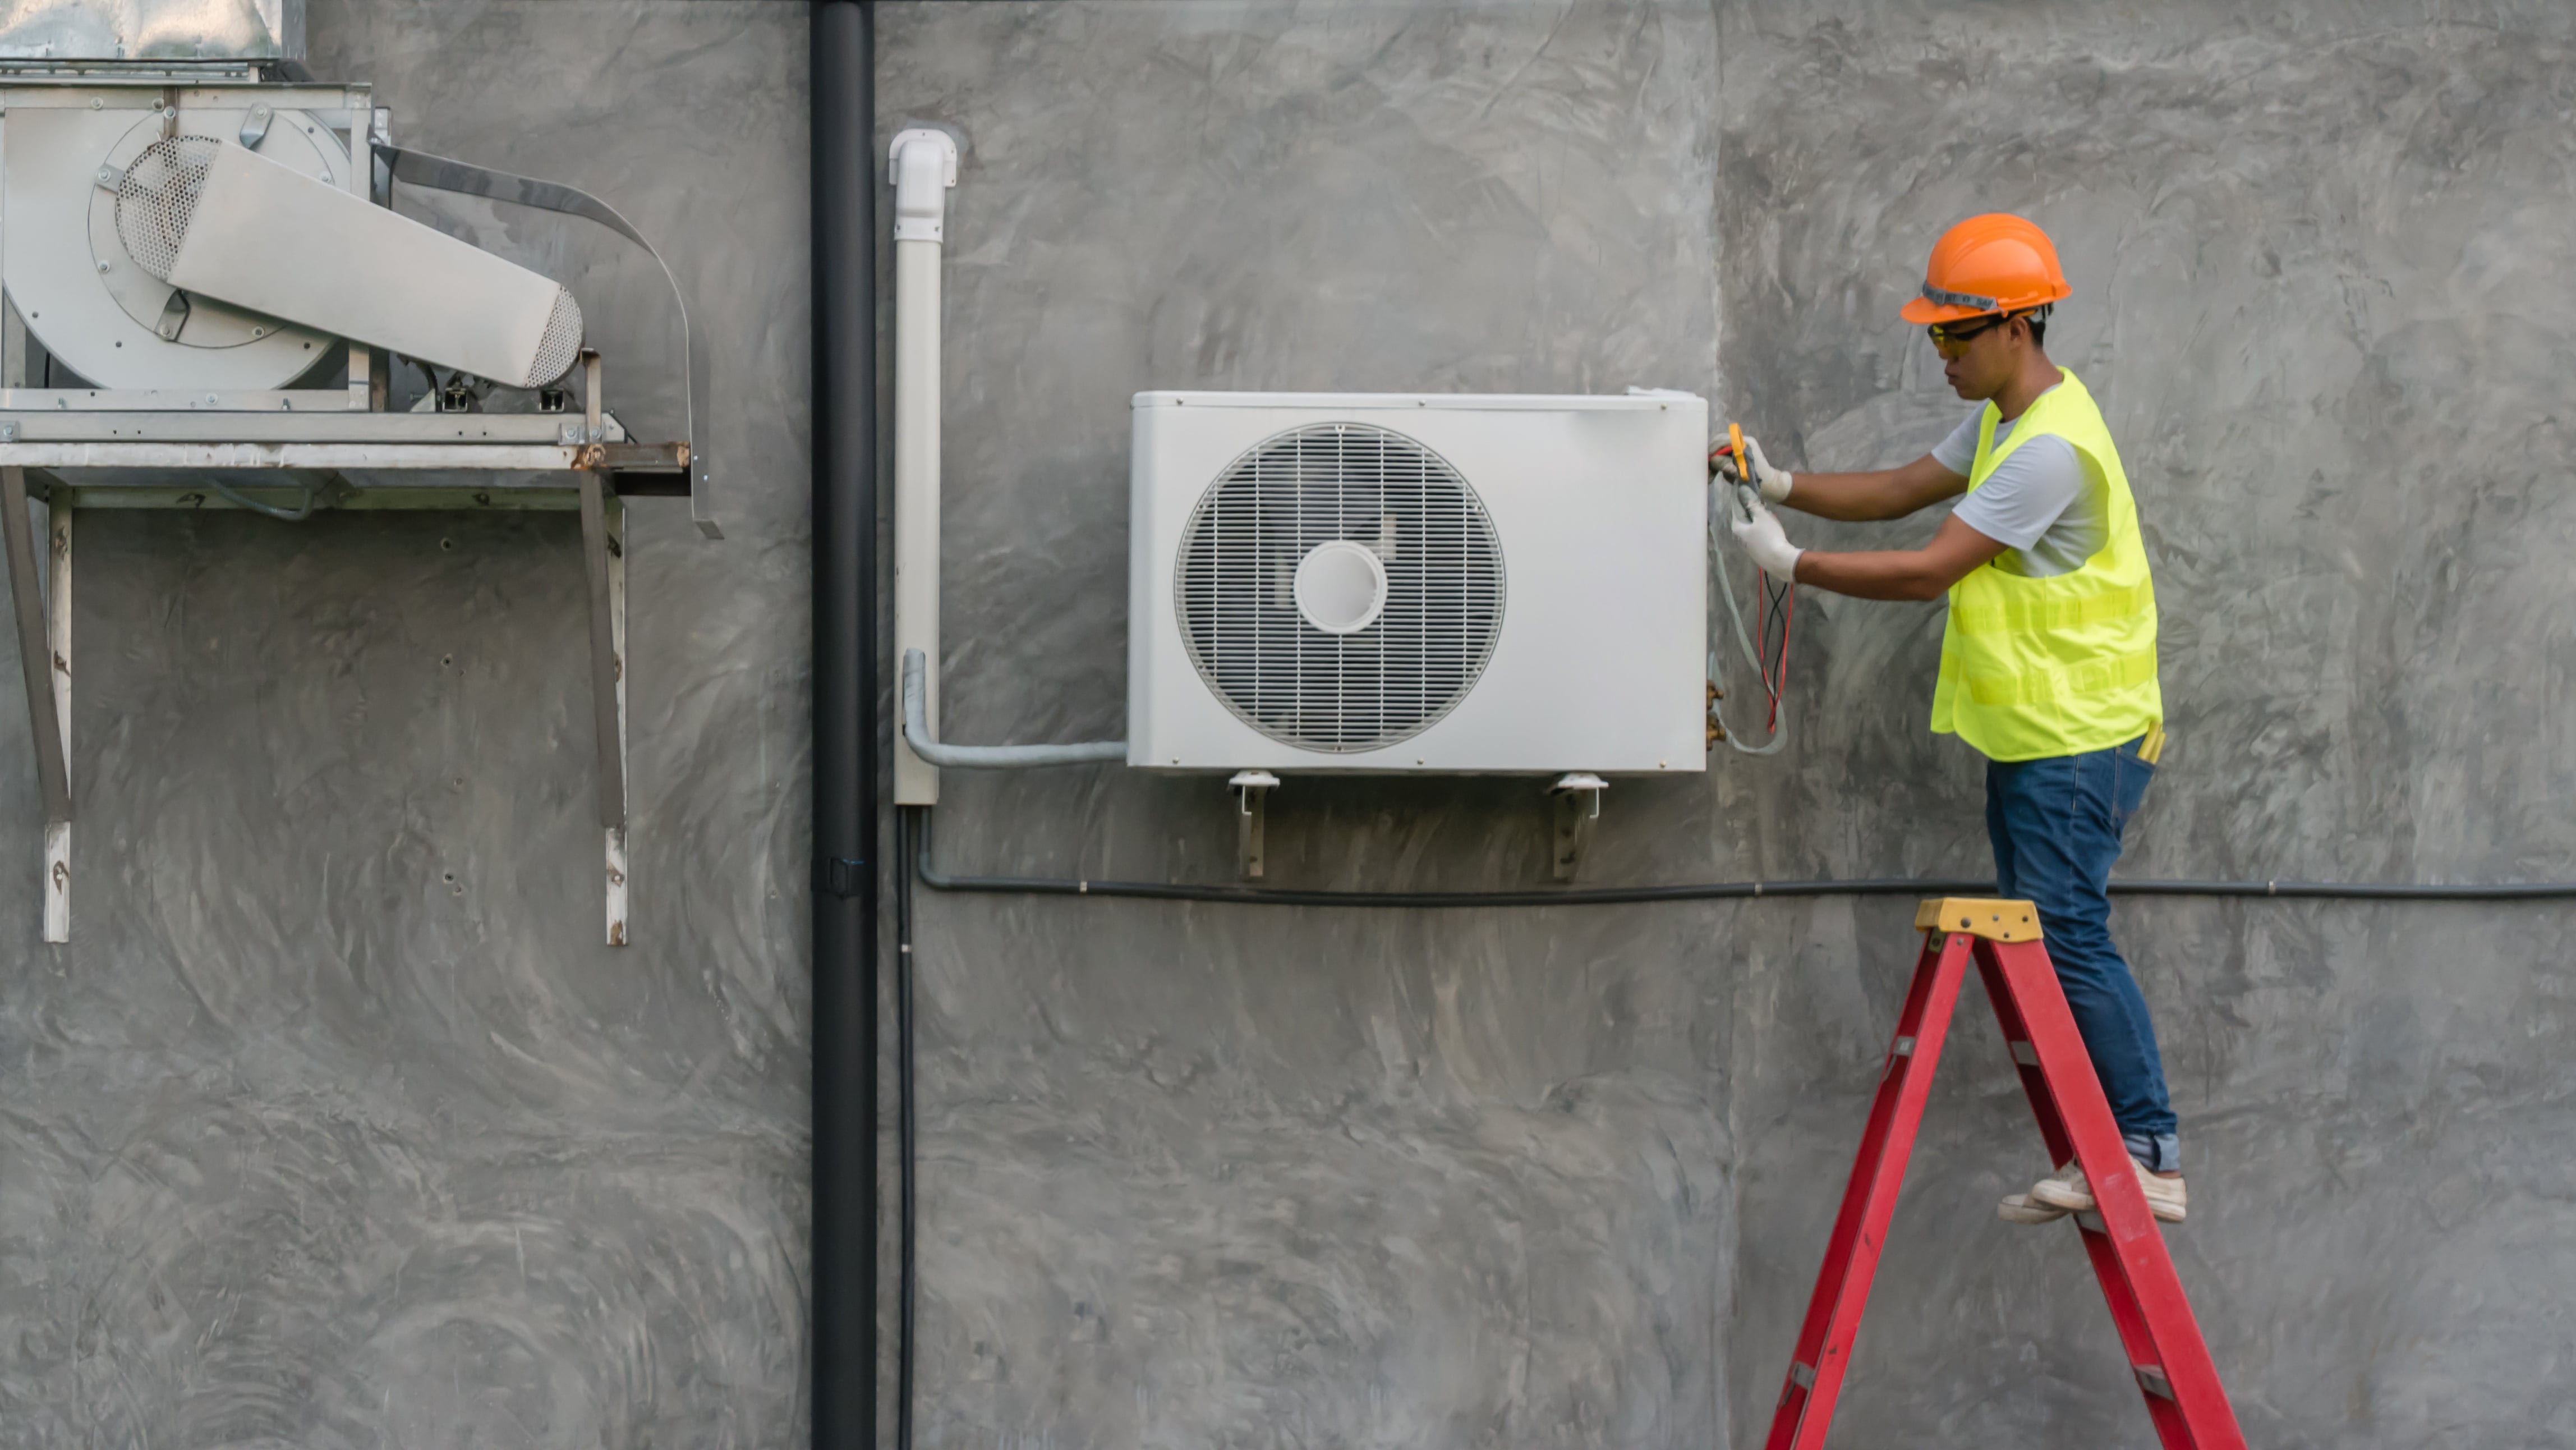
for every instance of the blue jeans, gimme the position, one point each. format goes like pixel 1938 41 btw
pixel 2056 825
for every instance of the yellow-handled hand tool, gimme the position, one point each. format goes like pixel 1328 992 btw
pixel 1747 491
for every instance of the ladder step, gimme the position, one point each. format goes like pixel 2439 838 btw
pixel 1804 1375
pixel 2025 1054
pixel 1904 1047
pixel 2151 1378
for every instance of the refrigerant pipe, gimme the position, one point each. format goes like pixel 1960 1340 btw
pixel 916 733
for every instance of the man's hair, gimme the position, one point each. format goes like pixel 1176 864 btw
pixel 2037 317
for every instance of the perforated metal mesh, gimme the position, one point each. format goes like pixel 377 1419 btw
pixel 157 196
pixel 1235 587
pixel 561 344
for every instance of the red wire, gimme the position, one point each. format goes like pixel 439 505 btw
pixel 1773 671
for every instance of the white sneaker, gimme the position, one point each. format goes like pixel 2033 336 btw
pixel 2066 1189
pixel 2019 1208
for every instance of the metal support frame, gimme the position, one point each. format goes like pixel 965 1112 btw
pixel 48 716
pixel 286 451
pixel 603 553
pixel 58 632
pixel 103 454
pixel 90 459
pixel 1252 801
pixel 1578 805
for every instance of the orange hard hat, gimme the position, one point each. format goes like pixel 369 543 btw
pixel 1991 263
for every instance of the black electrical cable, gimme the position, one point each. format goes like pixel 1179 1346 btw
pixel 907 1128
pixel 2356 890
pixel 937 880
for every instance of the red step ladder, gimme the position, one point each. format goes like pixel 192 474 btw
pixel 2164 1346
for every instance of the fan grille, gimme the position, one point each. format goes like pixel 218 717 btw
pixel 1234 586
pixel 561 345
pixel 156 198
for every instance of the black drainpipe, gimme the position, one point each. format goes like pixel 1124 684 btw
pixel 844 1326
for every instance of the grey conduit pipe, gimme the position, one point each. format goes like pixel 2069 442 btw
pixel 916 733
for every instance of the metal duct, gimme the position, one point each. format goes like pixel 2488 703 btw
pixel 152 30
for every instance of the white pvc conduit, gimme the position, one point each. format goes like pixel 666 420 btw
pixel 923 164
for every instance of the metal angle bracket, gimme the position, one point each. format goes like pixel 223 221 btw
pixel 44 650
pixel 603 551
pixel 1578 804
pixel 1252 812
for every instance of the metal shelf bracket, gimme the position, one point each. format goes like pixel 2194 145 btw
pixel 1252 801
pixel 44 661
pixel 1578 805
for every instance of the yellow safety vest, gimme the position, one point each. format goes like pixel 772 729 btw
pixel 2032 668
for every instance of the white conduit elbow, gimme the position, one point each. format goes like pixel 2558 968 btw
pixel 925 166
pixel 916 733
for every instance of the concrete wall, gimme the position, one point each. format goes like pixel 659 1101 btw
pixel 302 1143
pixel 336 1125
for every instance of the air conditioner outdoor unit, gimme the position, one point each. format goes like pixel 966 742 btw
pixel 1395 583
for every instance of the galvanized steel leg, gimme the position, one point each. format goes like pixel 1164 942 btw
pixel 603 553
pixel 58 622
pixel 616 861
pixel 35 653
pixel 602 561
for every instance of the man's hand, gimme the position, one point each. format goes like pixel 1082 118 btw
pixel 1759 531
pixel 1774 482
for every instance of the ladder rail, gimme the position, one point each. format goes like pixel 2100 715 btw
pixel 2127 1317
pixel 2157 1328
pixel 1814 1379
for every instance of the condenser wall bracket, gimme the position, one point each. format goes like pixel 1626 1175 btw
pixel 153 356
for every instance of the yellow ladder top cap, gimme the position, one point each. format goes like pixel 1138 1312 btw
pixel 1977 916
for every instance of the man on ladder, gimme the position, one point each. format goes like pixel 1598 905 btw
pixel 2048 662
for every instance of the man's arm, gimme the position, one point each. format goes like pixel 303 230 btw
pixel 1898 573
pixel 1889 493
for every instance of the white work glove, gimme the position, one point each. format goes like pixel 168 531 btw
pixel 1759 531
pixel 1774 482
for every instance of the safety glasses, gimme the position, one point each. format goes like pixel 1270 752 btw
pixel 1952 340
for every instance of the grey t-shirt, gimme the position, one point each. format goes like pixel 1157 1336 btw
pixel 2040 501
